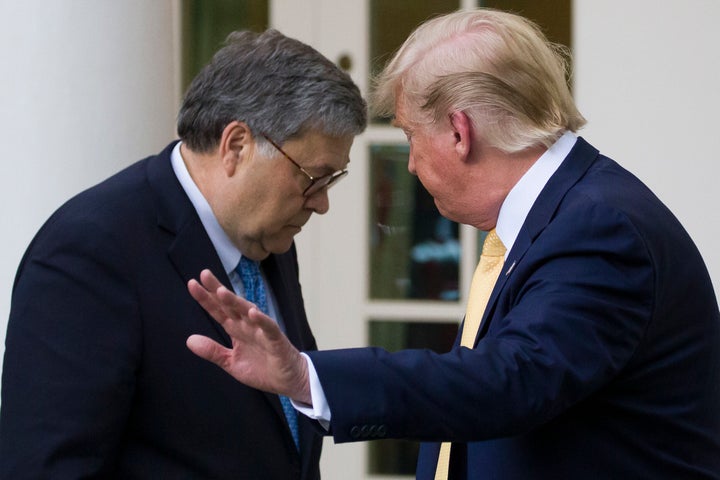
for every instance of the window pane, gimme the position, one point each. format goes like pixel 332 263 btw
pixel 392 21
pixel 206 24
pixel 414 251
pixel 553 16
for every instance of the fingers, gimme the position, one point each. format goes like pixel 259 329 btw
pixel 207 293
pixel 206 299
pixel 268 326
pixel 261 356
pixel 233 305
pixel 238 317
pixel 209 280
pixel 207 348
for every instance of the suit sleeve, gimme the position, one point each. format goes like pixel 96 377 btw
pixel 566 322
pixel 72 349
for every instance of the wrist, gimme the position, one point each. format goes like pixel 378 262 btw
pixel 304 395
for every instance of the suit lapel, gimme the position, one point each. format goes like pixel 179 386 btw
pixel 568 174
pixel 278 280
pixel 191 252
pixel 189 247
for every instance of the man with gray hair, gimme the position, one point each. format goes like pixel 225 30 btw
pixel 590 344
pixel 97 380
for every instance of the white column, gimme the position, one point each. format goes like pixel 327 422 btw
pixel 86 88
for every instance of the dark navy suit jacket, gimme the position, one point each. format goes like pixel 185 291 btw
pixel 98 382
pixel 598 355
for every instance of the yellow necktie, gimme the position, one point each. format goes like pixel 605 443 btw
pixel 486 274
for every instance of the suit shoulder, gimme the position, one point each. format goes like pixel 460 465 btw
pixel 121 195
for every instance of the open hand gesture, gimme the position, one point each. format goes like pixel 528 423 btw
pixel 261 355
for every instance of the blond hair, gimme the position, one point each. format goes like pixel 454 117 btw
pixel 495 66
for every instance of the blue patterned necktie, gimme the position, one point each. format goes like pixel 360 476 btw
pixel 249 271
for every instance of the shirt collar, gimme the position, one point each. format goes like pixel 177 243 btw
pixel 226 250
pixel 521 198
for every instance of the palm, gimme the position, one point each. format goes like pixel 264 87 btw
pixel 261 356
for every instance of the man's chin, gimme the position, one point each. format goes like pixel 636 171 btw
pixel 279 245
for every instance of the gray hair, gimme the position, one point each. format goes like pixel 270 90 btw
pixel 495 66
pixel 277 85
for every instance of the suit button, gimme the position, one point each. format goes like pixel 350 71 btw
pixel 364 431
pixel 381 431
pixel 355 432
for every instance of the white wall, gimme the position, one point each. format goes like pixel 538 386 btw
pixel 86 87
pixel 648 81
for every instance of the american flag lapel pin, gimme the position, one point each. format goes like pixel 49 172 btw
pixel 510 269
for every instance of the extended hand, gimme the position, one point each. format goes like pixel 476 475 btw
pixel 261 355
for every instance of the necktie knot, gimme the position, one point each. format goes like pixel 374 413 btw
pixel 486 274
pixel 249 271
pixel 493 246
pixel 248 265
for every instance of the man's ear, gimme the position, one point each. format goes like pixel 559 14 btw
pixel 462 131
pixel 235 141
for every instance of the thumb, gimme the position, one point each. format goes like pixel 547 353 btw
pixel 206 348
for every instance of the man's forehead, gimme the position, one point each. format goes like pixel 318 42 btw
pixel 402 122
pixel 401 117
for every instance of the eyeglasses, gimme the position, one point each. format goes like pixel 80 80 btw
pixel 316 183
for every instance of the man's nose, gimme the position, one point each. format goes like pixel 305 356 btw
pixel 411 163
pixel 318 202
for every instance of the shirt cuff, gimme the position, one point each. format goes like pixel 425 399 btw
pixel 319 410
